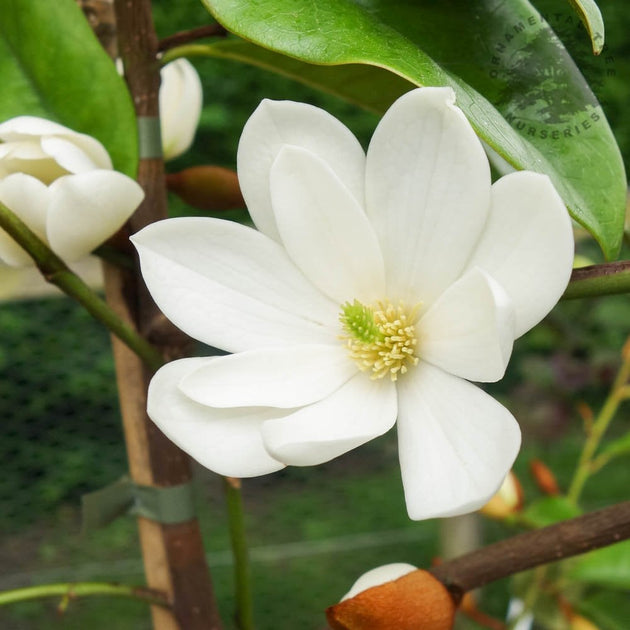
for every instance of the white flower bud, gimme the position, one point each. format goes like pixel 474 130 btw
pixel 181 98
pixel 60 183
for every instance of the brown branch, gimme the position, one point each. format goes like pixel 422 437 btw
pixel 173 554
pixel 183 37
pixel 531 549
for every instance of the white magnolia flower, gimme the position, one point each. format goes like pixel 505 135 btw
pixel 376 287
pixel 61 184
pixel 181 99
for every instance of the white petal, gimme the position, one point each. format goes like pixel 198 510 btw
pixel 517 611
pixel 87 208
pixel 181 100
pixel 28 198
pixel 23 150
pixel 231 286
pixel 378 576
pixel 92 148
pixel 275 124
pixel 427 193
pixel 357 412
pixel 323 228
pixel 22 127
pixel 226 441
pixel 68 155
pixel 469 330
pixel 456 443
pixel 33 129
pixel 27 157
pixel 275 377
pixel 527 245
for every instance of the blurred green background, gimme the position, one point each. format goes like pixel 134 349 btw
pixel 314 530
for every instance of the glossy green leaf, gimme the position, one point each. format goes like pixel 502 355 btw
pixel 354 83
pixel 53 66
pixel 608 610
pixel 608 567
pixel 592 19
pixel 513 79
pixel 549 510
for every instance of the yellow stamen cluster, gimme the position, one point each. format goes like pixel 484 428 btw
pixel 381 339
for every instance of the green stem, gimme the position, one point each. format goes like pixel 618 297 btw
pixel 72 590
pixel 600 425
pixel 607 279
pixel 242 576
pixel 58 273
pixel 185 50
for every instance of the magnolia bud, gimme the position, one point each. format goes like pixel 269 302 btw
pixel 60 183
pixel 415 600
pixel 181 100
pixel 207 187
pixel 508 499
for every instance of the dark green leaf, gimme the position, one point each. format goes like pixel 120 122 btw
pixel 608 567
pixel 53 66
pixel 355 83
pixel 536 110
pixel 592 19
pixel 550 510
pixel 608 610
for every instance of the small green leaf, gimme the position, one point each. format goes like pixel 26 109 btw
pixel 608 610
pixel 620 446
pixel 512 77
pixel 53 66
pixel 550 510
pixel 608 567
pixel 592 19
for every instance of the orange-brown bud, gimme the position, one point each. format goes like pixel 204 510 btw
pixel 586 413
pixel 543 477
pixel 508 499
pixel 415 601
pixel 468 604
pixel 207 187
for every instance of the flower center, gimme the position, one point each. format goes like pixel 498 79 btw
pixel 380 338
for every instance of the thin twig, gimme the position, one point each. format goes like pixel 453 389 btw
pixel 242 573
pixel 535 548
pixel 595 280
pixel 58 273
pixel 183 37
pixel 599 427
pixel 74 590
